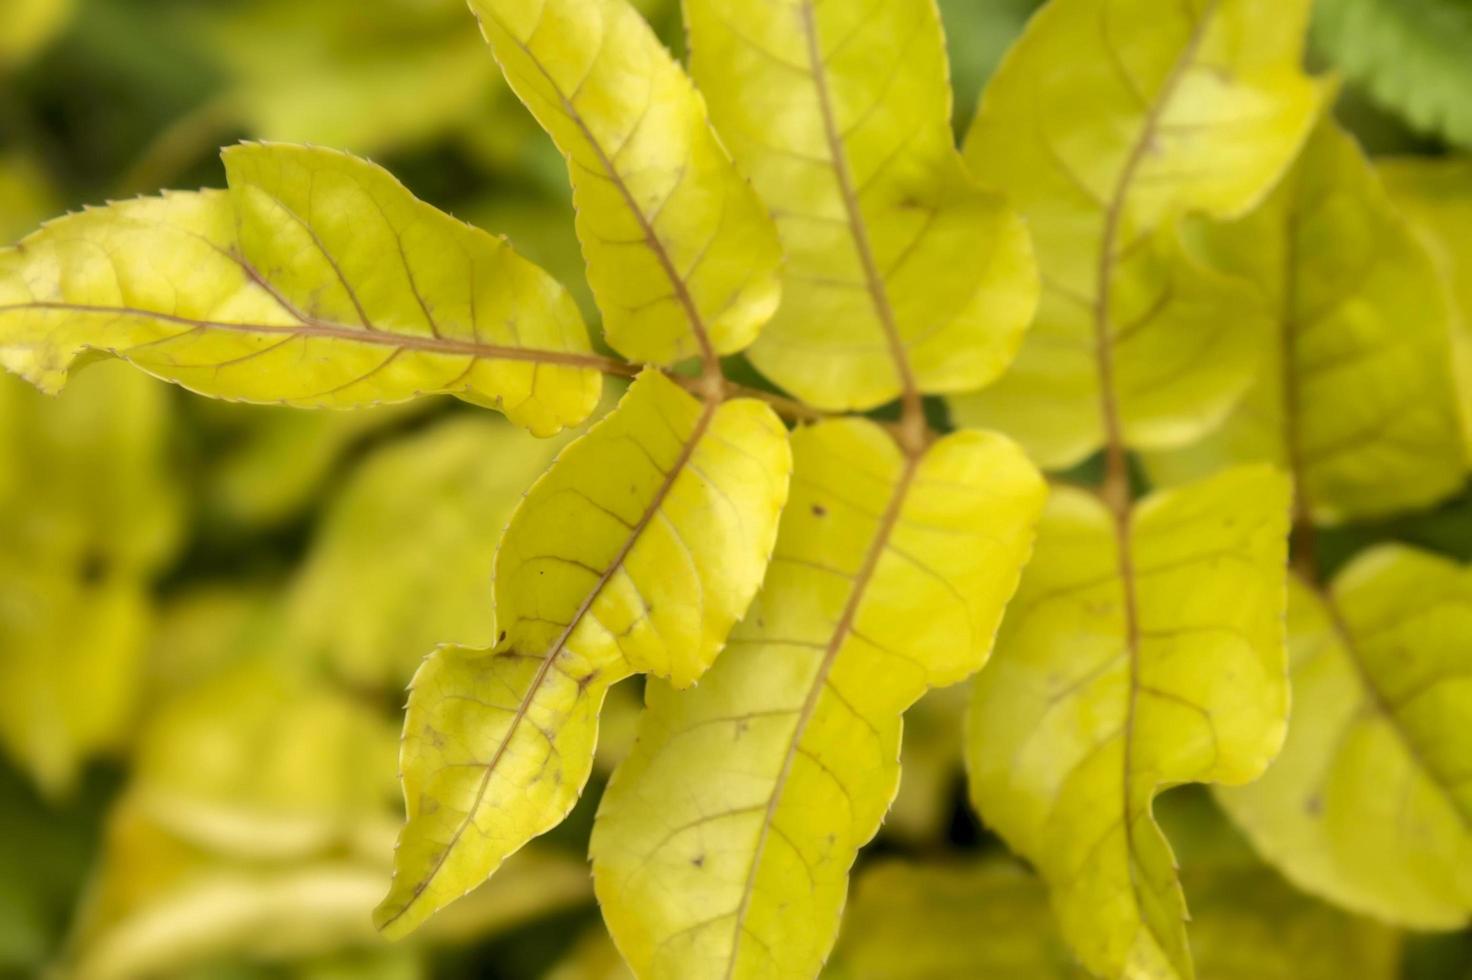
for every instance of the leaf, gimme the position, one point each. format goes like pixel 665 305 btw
pixel 1370 803
pixel 26 195
pixel 636 552
pixel 723 843
pixel 369 79
pixel 88 515
pixel 990 919
pixel 29 26
pixel 902 272
pixel 316 281
pixel 1410 54
pixel 1435 194
pixel 403 559
pixel 1107 121
pixel 1355 395
pixel 1112 680
pixel 681 255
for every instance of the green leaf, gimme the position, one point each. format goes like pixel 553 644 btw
pixel 403 560
pixel 1106 121
pixel 1410 54
pixel 990 919
pixel 317 280
pixel 1355 394
pixel 1114 679
pixel 902 272
pixel 1435 194
pixel 723 843
pixel 1370 803
pixel 681 255
pixel 636 552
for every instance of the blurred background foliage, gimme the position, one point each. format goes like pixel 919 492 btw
pixel 209 613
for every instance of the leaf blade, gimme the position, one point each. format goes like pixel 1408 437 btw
pixel 253 294
pixel 863 610
pixel 681 255
pixel 588 591
pixel 843 123
pixel 1381 694
pixel 1083 714
pixel 1159 112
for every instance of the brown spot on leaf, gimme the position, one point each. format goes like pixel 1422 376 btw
pixel 819 510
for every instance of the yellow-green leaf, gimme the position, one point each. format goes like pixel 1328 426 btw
pixel 637 551
pixel 723 843
pixel 403 560
pixel 88 514
pixel 1355 394
pixel 1370 803
pixel 989 920
pixel 317 280
pixel 901 270
pixel 1435 193
pixel 1113 679
pixel 29 25
pixel 1109 119
pixel 681 255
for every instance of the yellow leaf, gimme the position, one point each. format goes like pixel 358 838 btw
pixel 1435 193
pixel 1107 121
pixel 1112 680
pixel 88 514
pixel 29 25
pixel 317 280
pixel 1370 803
pixel 403 559
pixel 723 843
pixel 902 272
pixel 681 255
pixel 637 551
pixel 1355 394
pixel 989 919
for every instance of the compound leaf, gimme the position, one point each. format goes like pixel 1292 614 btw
pixel 1355 394
pixel 317 281
pixel 901 270
pixel 723 843
pixel 1370 803
pixel 1410 54
pixel 637 551
pixel 1435 194
pixel 1162 109
pixel 682 257
pixel 1114 679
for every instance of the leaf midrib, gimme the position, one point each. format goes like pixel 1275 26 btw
pixel 1121 507
pixel 888 520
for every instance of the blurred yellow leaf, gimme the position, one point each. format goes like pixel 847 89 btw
pixel 723 843
pixel 88 513
pixel 990 919
pixel 403 560
pixel 26 195
pixel 317 280
pixel 1112 681
pixel 1370 803
pixel 1355 394
pixel 636 552
pixel 680 253
pixel 29 25
pixel 901 272
pixel 1107 121
pixel 1435 193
